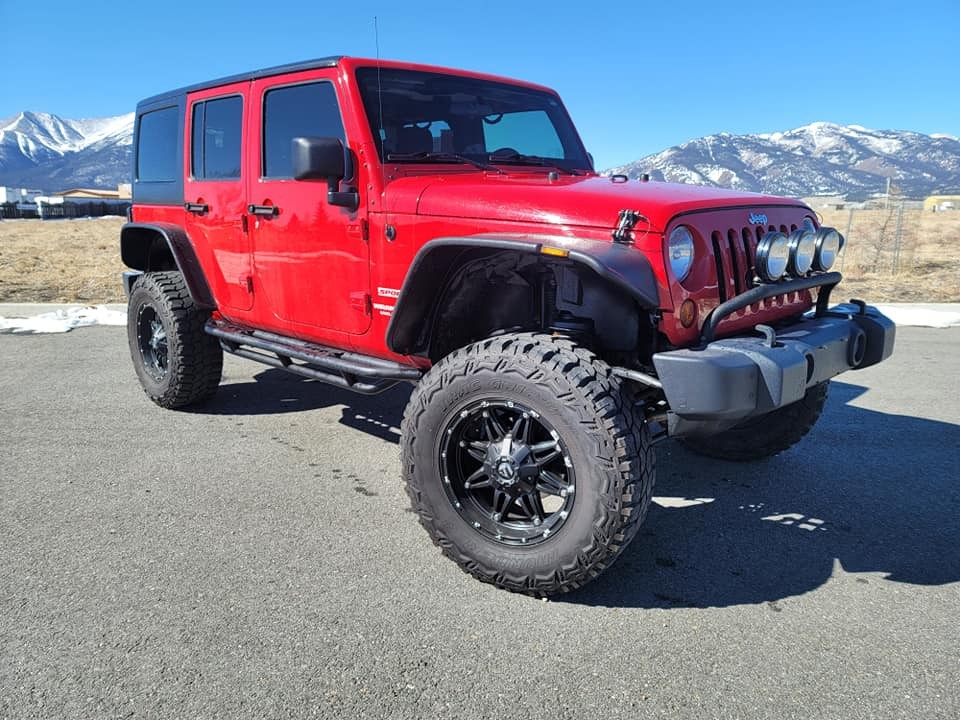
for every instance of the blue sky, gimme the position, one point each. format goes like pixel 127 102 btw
pixel 637 76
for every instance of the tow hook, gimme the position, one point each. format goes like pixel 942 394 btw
pixel 769 335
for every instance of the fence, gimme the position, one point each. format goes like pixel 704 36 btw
pixel 68 209
pixel 899 253
pixel 15 211
pixel 897 239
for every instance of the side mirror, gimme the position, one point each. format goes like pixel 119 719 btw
pixel 317 158
pixel 324 158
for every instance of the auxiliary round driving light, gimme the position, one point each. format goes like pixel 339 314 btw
pixel 803 246
pixel 773 255
pixel 829 242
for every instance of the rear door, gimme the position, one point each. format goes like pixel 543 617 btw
pixel 215 192
pixel 312 259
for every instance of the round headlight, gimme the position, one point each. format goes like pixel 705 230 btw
pixel 803 245
pixel 773 254
pixel 828 245
pixel 680 252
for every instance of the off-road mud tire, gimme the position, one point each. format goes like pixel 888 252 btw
pixel 609 446
pixel 194 359
pixel 766 435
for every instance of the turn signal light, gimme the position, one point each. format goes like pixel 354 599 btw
pixel 688 313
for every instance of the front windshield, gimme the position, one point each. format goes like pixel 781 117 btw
pixel 434 117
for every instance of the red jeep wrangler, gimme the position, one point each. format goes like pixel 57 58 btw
pixel 365 223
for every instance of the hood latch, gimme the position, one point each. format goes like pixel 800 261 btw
pixel 625 224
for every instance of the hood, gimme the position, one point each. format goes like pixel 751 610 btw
pixel 573 201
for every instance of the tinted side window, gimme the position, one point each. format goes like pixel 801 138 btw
pixel 157 146
pixel 196 141
pixel 297 111
pixel 215 142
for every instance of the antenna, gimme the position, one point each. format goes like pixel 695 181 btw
pixel 382 138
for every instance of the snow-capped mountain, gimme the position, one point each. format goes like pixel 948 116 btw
pixel 816 159
pixel 40 150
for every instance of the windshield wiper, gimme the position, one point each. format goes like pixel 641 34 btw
pixel 426 156
pixel 521 159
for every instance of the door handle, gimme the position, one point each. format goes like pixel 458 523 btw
pixel 198 208
pixel 268 210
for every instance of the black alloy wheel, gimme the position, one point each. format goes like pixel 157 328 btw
pixel 152 341
pixel 507 472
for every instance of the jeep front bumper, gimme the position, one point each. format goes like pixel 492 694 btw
pixel 728 381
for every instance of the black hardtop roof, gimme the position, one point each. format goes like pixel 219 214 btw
pixel 324 62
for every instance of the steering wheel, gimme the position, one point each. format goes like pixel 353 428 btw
pixel 493 119
pixel 504 152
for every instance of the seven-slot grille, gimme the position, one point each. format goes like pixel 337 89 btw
pixel 734 254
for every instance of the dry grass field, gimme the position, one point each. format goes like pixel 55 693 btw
pixel 79 260
pixel 61 261
pixel 922 266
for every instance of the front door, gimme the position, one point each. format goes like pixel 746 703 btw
pixel 312 263
pixel 214 192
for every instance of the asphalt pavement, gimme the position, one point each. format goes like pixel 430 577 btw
pixel 257 558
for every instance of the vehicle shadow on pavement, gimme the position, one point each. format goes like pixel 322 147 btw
pixel 277 391
pixel 875 492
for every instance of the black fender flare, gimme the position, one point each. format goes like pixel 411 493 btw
pixel 135 241
pixel 624 266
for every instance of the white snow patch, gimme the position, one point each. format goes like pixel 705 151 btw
pixel 884 146
pixel 755 159
pixel 668 501
pixel 920 316
pixel 61 321
pixel 720 174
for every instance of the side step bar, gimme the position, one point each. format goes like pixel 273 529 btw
pixel 351 371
